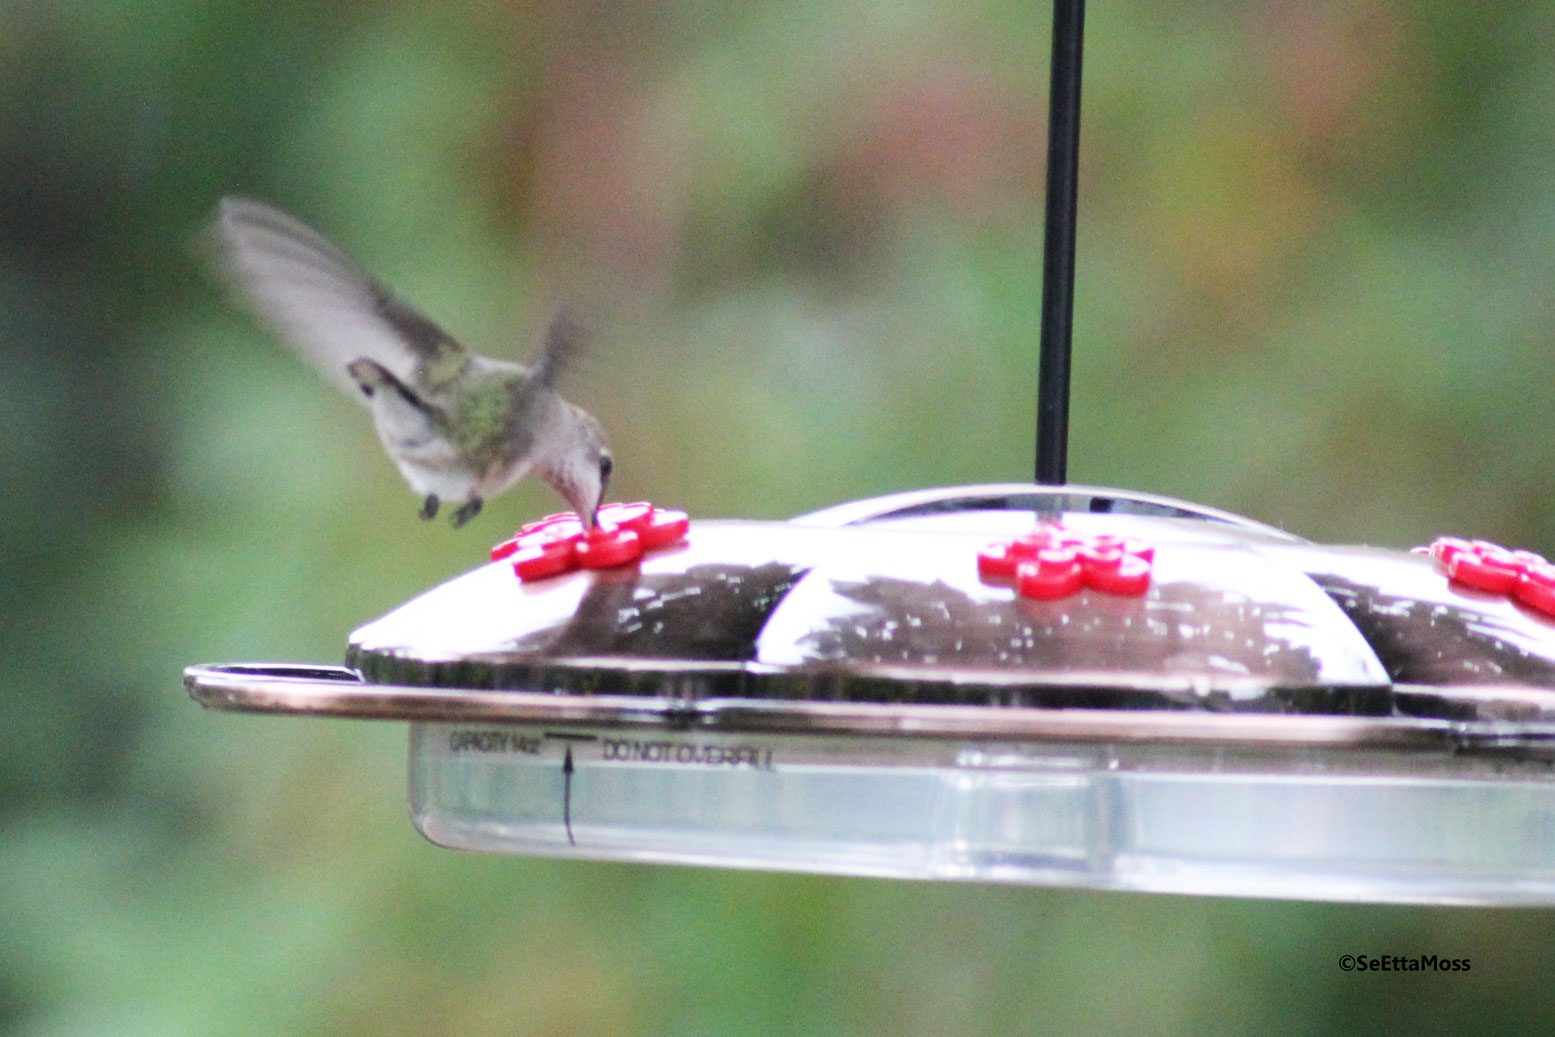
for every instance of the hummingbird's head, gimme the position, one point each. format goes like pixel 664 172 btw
pixel 581 472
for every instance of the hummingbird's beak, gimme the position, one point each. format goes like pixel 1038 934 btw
pixel 605 467
pixel 587 510
pixel 582 488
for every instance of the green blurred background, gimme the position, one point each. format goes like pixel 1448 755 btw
pixel 1317 254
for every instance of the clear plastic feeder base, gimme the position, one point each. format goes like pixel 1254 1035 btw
pixel 1377 809
pixel 1310 823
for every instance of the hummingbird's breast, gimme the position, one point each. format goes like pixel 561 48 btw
pixel 498 420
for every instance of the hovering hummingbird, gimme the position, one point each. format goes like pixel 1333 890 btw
pixel 461 427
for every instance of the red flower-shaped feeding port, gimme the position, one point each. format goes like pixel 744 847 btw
pixel 558 543
pixel 1480 565
pixel 1053 562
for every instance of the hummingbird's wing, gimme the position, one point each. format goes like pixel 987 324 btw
pixel 319 301
pixel 564 340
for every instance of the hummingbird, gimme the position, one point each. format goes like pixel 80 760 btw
pixel 460 427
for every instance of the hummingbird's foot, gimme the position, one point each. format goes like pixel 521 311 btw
pixel 429 508
pixel 468 510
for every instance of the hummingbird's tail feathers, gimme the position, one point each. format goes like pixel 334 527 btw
pixel 565 340
pixel 312 294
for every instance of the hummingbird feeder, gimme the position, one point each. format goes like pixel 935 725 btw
pixel 1036 683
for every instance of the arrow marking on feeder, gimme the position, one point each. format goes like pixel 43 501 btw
pixel 567 795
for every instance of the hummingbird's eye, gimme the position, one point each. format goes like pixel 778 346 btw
pixel 605 465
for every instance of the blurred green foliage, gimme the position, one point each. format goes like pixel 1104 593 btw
pixel 1317 252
